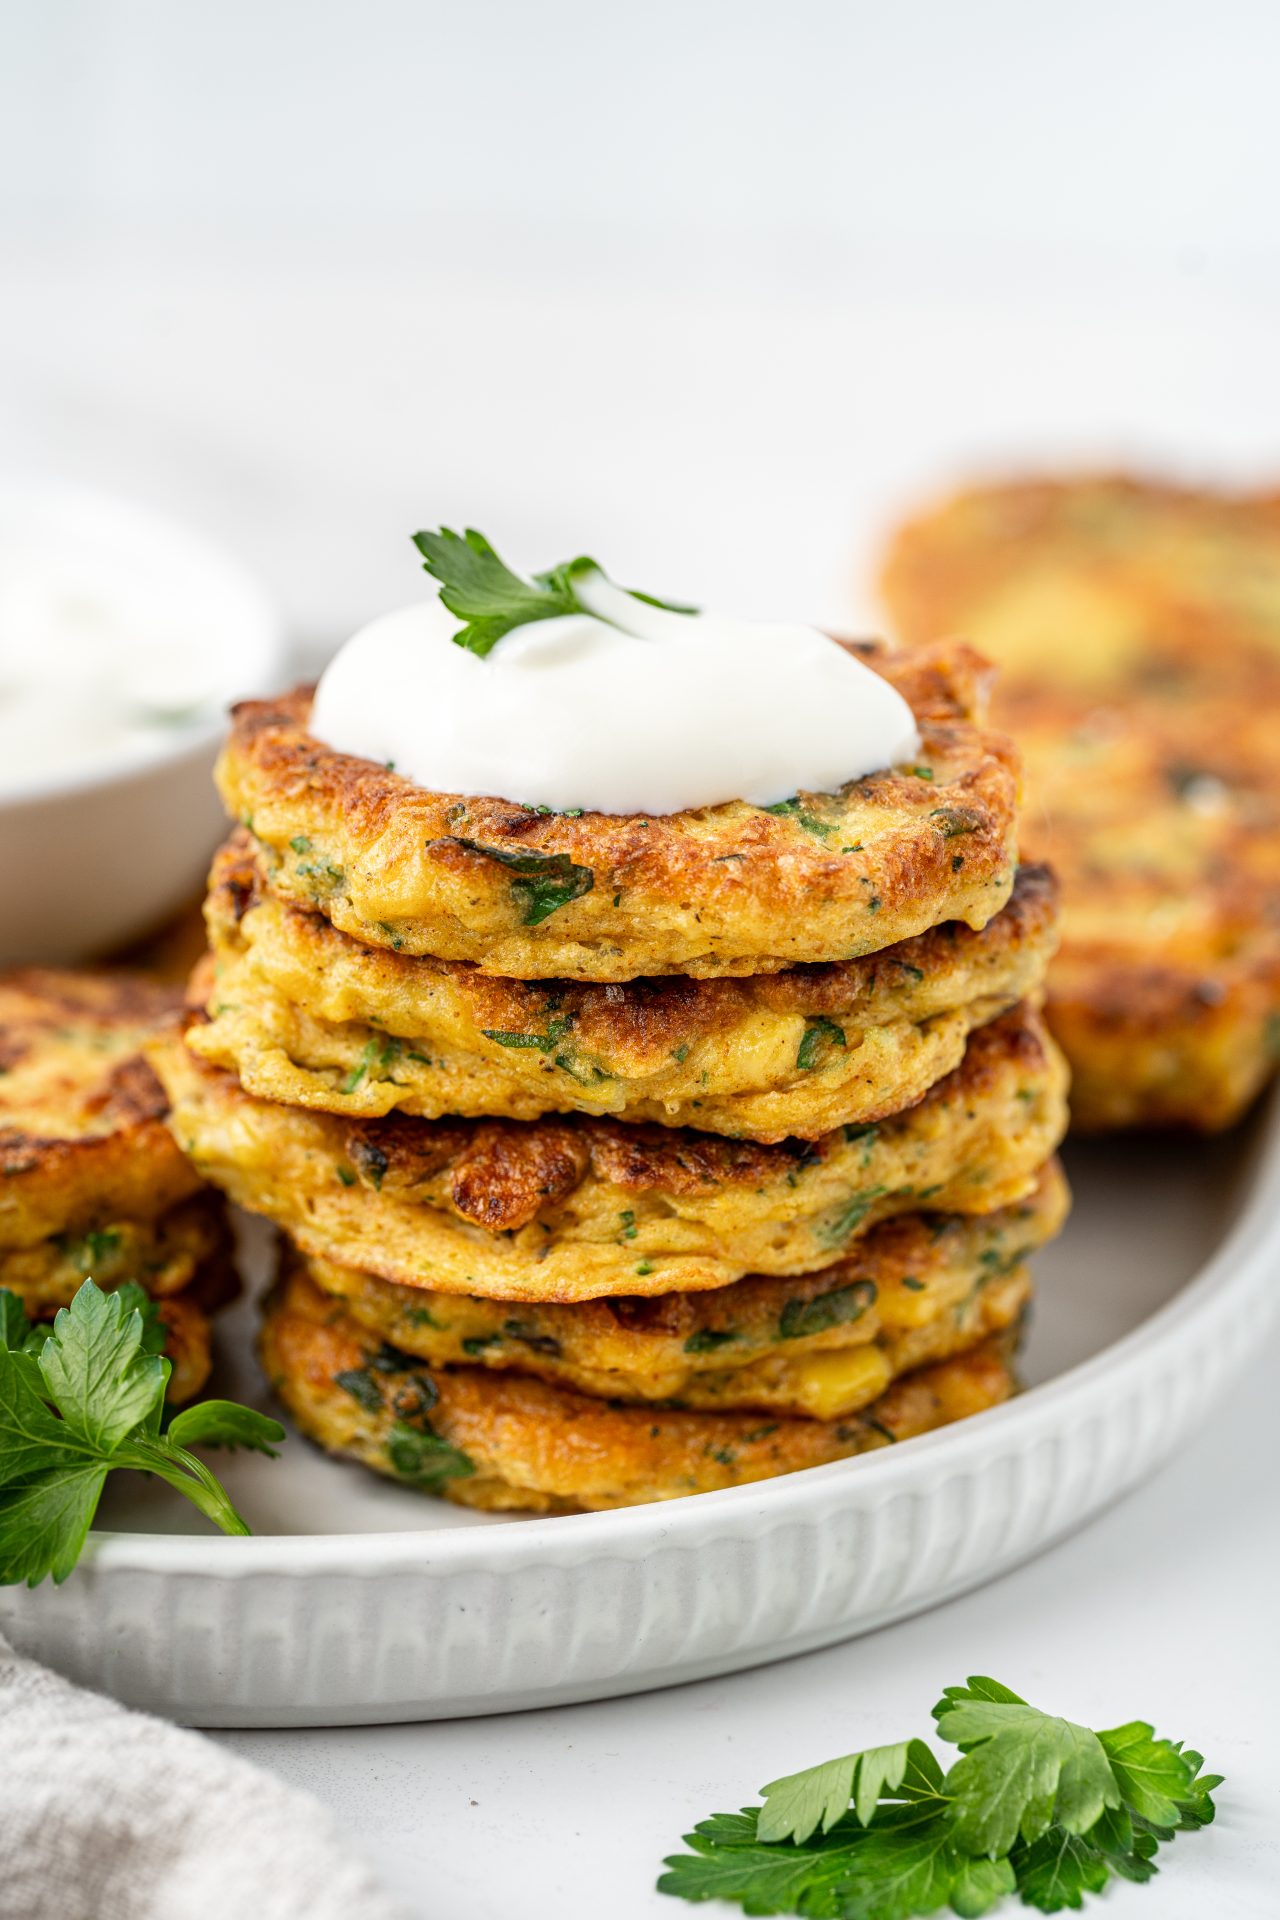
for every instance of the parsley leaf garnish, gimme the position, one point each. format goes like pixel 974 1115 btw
pixel 905 1863
pixel 1035 1805
pixel 1021 1771
pixel 82 1398
pixel 484 593
pixel 795 1806
pixel 1151 1773
pixel 97 1371
pixel 1058 1869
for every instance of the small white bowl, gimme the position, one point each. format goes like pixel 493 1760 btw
pixel 91 860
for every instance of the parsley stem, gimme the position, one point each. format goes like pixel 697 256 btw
pixel 642 619
pixel 188 1475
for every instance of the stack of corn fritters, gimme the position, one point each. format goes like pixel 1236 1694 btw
pixel 92 1184
pixel 625 1157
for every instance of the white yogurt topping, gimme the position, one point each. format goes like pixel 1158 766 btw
pixel 626 709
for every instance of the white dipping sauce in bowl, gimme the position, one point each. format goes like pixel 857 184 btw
pixel 123 639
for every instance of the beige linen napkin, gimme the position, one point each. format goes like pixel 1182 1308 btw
pixel 112 1815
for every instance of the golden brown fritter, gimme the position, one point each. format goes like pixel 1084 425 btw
pixel 83 1140
pixel 188 1346
pixel 577 1207
pixel 913 1291
pixel 188 1325
pixel 162 1255
pixel 506 1441
pixel 1137 632
pixel 92 1183
pixel 184 1314
pixel 734 889
pixel 306 1015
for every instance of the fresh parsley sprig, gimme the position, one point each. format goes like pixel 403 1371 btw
pixel 484 592
pixel 84 1397
pixel 1035 1805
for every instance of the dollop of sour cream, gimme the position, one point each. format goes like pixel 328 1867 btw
pixel 625 708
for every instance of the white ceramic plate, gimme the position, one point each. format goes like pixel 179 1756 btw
pixel 357 1601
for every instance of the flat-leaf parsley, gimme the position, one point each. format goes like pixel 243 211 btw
pixel 491 599
pixel 82 1398
pixel 1035 1805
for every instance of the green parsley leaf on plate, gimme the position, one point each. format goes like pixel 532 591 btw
pixel 79 1400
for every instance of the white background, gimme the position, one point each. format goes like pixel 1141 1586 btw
pixel 713 290
pixel 709 285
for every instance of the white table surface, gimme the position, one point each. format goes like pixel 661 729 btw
pixel 1164 1609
